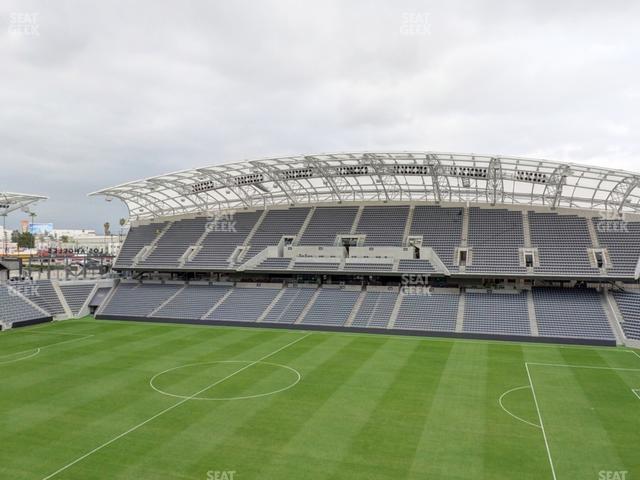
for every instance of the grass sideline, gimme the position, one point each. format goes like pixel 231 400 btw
pixel 78 403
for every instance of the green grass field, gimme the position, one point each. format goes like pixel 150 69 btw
pixel 89 399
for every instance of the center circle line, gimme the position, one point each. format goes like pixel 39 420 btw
pixel 245 397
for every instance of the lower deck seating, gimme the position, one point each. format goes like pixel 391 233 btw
pixel 14 308
pixel 571 313
pixel 436 312
pixel 629 306
pixel 193 302
pixel 496 313
pixel 290 305
pixel 332 307
pixel 561 313
pixel 46 297
pixel 375 310
pixel 76 294
pixel 138 299
pixel 243 305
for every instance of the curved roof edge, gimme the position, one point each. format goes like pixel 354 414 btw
pixel 10 202
pixel 381 176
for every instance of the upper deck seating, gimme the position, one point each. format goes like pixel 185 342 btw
pixel 275 225
pixel 383 226
pixel 326 223
pixel 136 238
pixel 495 236
pixel 441 229
pixel 622 241
pixel 563 242
pixel 223 236
pixel 174 243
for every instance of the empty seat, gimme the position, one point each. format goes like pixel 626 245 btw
pixel 174 243
pixel 76 295
pixel 244 305
pixel 14 308
pixel 622 240
pixel 495 237
pixel 326 223
pixel 436 312
pixel 138 300
pixel 375 310
pixel 222 239
pixel 383 226
pixel 275 225
pixel 571 313
pixel 290 305
pixel 496 313
pixel 629 306
pixel 441 229
pixel 192 302
pixel 136 238
pixel 563 243
pixel 332 307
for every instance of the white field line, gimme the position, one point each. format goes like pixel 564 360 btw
pixel 544 433
pixel 634 352
pixel 246 397
pixel 64 342
pixel 513 415
pixel 18 353
pixel 636 392
pixel 35 351
pixel 170 408
pixel 38 349
pixel 583 366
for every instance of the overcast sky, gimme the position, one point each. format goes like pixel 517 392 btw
pixel 93 94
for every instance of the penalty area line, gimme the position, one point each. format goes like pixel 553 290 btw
pixel 37 350
pixel 170 408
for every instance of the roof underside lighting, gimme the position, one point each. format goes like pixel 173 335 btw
pixel 382 176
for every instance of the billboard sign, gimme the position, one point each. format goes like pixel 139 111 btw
pixel 40 228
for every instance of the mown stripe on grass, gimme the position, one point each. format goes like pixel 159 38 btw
pixel 73 401
pixel 612 416
pixel 187 440
pixel 386 444
pixel 265 435
pixel 453 427
pixel 509 445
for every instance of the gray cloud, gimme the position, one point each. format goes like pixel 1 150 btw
pixel 114 91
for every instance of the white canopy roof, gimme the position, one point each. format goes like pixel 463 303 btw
pixel 10 202
pixel 380 176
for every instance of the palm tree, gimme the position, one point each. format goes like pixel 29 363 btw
pixel 122 222
pixel 106 226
